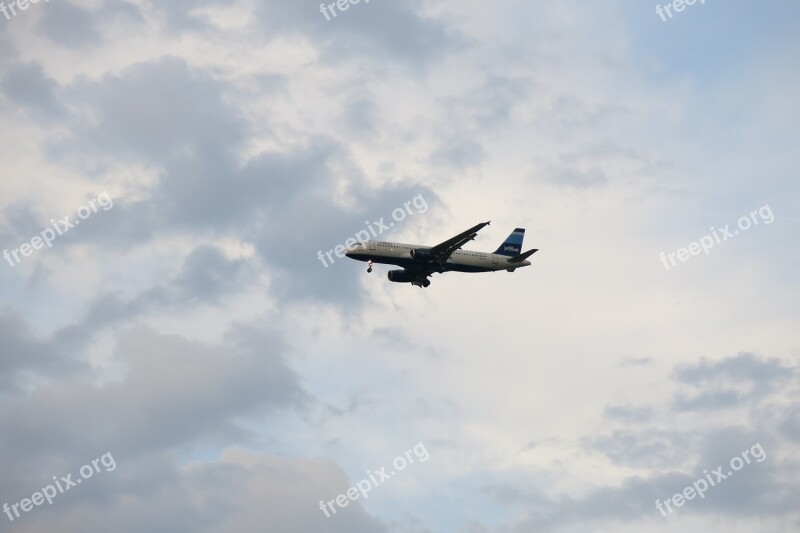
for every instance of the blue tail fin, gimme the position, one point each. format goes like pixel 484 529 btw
pixel 513 244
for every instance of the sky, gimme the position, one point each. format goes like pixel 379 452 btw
pixel 175 356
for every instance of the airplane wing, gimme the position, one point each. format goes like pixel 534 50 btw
pixel 444 250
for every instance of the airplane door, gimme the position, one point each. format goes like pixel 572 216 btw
pixel 494 259
pixel 371 244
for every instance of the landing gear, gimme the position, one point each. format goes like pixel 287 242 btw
pixel 369 266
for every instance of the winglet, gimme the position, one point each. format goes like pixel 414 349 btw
pixel 522 257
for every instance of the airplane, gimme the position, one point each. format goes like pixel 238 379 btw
pixel 420 262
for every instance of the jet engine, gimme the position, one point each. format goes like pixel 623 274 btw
pixel 422 255
pixel 399 276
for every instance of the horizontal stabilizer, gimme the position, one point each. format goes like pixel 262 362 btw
pixel 522 257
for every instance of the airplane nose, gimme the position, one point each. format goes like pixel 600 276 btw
pixel 350 250
pixel 354 249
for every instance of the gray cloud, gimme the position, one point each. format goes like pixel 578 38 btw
pixel 378 30
pixel 181 123
pixel 646 446
pixel 241 492
pixel 744 367
pixel 26 358
pixel 664 450
pixel 168 381
pixel 205 277
pixel 727 383
pixel 28 87
pixel 68 24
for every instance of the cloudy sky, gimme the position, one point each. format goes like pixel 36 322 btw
pixel 187 329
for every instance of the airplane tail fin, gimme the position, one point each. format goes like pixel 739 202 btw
pixel 513 244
